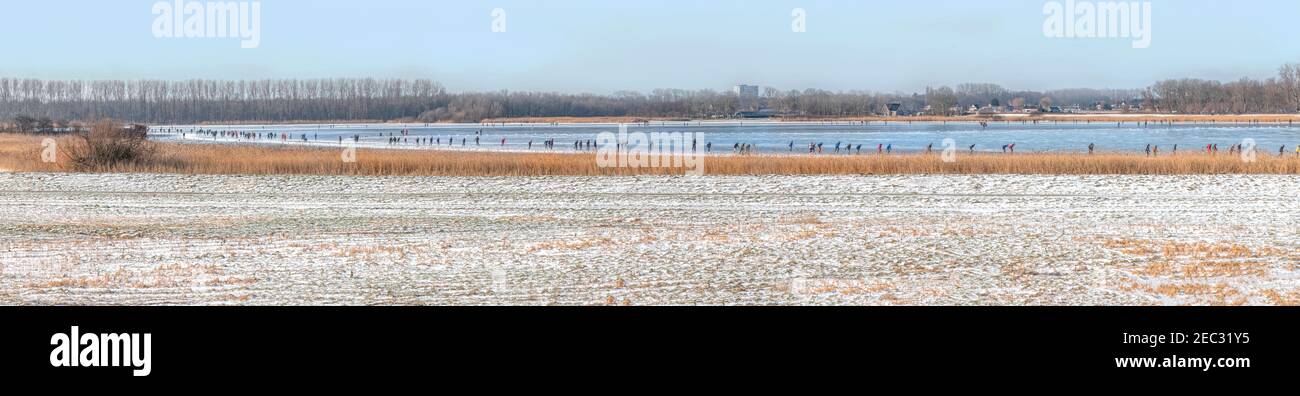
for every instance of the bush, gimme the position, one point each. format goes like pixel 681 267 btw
pixel 25 124
pixel 107 145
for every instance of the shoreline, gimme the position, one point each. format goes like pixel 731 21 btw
pixel 21 154
pixel 792 120
pixel 1008 118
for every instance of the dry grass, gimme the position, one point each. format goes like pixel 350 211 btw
pixel 162 276
pixel 371 253
pixel 1219 294
pixel 1287 298
pixel 1156 268
pixel 807 218
pixel 1217 273
pixel 22 154
pixel 1217 250
pixel 845 286
pixel 583 244
pixel 1200 249
pixel 1217 269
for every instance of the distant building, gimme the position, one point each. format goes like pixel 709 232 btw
pixel 748 95
pixel 893 109
pixel 746 91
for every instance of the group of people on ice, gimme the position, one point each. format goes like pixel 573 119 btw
pixel 404 137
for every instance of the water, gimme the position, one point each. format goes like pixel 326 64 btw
pixel 773 137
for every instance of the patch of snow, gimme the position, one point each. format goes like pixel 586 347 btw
pixel 908 239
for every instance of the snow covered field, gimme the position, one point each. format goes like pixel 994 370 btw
pixel 880 240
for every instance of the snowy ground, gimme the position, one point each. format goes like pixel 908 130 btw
pixel 879 240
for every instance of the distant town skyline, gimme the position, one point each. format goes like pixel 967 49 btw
pixel 587 46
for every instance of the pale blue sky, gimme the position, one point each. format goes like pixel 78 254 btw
pixel 603 46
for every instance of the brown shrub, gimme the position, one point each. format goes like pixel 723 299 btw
pixel 108 146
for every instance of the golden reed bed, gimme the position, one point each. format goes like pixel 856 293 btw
pixel 19 153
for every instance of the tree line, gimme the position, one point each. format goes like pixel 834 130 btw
pixel 1279 94
pixel 154 101
pixel 47 105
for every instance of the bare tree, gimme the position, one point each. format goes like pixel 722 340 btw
pixel 25 124
pixel 29 101
pixel 1289 78
pixel 106 145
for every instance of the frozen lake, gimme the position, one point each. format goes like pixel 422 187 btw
pixel 1046 136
